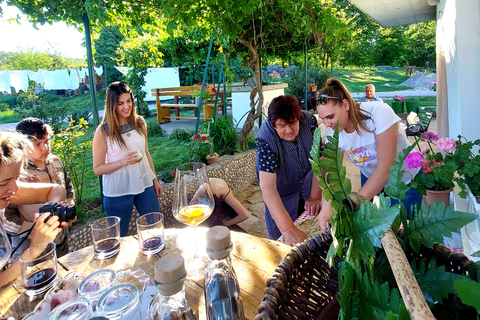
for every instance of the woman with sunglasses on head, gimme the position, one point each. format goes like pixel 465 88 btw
pixel 371 134
pixel 121 156
pixel 13 156
pixel 284 172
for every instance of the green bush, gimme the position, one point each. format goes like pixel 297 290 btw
pixel 296 80
pixel 223 135
pixel 182 134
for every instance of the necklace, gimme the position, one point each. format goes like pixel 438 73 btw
pixel 128 134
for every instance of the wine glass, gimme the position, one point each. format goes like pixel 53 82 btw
pixel 193 203
pixel 140 154
pixel 5 247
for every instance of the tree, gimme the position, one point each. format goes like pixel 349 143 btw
pixel 281 25
pixel 34 60
pixel 106 47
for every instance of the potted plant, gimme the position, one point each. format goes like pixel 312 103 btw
pixel 412 104
pixel 364 234
pixel 397 104
pixel 437 179
pixel 208 94
pixel 468 166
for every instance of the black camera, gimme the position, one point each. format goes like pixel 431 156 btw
pixel 64 214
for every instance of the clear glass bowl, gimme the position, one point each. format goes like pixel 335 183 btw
pixel 119 302
pixel 79 309
pixel 95 284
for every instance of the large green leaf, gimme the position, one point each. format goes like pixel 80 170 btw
pixel 428 227
pixel 435 282
pixel 397 189
pixel 468 291
pixel 369 225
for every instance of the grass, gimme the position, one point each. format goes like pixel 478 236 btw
pixel 384 80
pixel 9 116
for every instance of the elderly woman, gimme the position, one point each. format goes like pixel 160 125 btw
pixel 283 168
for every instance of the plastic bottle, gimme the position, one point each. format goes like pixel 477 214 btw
pixel 170 303
pixel 222 292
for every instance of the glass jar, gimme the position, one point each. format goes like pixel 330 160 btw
pixel 95 284
pixel 119 302
pixel 80 309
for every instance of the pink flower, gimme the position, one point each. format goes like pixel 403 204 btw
pixel 446 144
pixel 414 160
pixel 197 136
pixel 429 136
pixel 425 150
pixel 426 167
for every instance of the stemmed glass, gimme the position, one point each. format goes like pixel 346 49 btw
pixel 139 153
pixel 193 203
pixel 5 247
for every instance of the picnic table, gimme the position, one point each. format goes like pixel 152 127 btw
pixel 253 258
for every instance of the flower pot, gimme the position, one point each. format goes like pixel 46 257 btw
pixel 397 106
pixel 212 158
pixel 413 106
pixel 438 196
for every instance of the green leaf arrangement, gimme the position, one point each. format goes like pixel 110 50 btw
pixel 367 289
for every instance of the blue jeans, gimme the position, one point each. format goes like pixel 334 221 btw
pixel 122 206
pixel 413 197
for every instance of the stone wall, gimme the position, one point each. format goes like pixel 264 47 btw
pixel 237 170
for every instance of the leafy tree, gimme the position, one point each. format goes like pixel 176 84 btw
pixel 34 60
pixel 106 50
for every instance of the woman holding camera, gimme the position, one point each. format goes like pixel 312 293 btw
pixel 121 156
pixel 13 154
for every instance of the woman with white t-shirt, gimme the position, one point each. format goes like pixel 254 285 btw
pixel 371 135
pixel 121 156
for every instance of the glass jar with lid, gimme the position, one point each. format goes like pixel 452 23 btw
pixel 119 302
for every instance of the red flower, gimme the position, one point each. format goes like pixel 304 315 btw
pixel 173 171
pixel 214 90
pixel 197 136
pixel 200 83
pixel 204 138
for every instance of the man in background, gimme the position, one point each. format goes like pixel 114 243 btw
pixel 370 94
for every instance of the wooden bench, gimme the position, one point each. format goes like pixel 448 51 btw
pixel 163 110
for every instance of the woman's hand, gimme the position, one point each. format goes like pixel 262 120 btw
pixel 158 187
pixel 130 158
pixel 313 206
pixel 293 236
pixel 45 231
pixel 324 216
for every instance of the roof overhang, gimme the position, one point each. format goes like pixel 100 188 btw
pixel 390 13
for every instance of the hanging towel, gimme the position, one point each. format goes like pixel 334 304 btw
pixel 123 70
pixel 36 76
pixel 56 80
pixel 19 80
pixel 82 73
pixel 74 81
pixel 98 70
pixel 5 82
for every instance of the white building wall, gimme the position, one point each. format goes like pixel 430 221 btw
pixel 461 48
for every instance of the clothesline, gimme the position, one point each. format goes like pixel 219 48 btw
pixel 60 79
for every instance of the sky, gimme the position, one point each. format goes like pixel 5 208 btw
pixel 55 38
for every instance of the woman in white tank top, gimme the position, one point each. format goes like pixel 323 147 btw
pixel 121 156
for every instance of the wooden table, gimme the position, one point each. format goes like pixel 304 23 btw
pixel 253 258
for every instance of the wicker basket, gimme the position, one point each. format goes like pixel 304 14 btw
pixel 303 284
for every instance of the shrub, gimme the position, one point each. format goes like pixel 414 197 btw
pixel 296 80
pixel 223 135
pixel 154 129
pixel 182 134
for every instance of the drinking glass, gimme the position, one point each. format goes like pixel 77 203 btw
pixel 140 154
pixel 120 302
pixel 150 233
pixel 5 247
pixel 193 203
pixel 39 268
pixel 106 237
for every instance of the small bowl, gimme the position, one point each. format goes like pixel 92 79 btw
pixel 95 284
